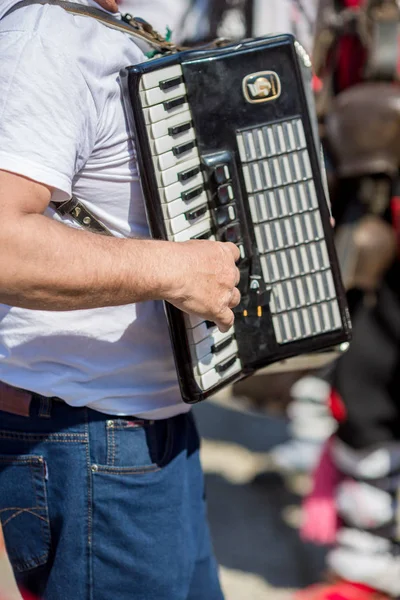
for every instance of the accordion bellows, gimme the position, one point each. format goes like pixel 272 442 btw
pixel 227 151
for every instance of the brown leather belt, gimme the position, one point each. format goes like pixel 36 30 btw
pixel 14 400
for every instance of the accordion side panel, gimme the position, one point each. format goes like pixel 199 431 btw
pixel 226 152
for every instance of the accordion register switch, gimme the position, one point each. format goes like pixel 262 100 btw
pixel 227 151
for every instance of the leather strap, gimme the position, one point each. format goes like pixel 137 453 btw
pixel 14 400
pixel 137 28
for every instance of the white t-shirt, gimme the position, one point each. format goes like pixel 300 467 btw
pixel 62 123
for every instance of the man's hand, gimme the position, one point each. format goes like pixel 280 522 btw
pixel 207 284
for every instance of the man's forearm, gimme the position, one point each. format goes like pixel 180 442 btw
pixel 46 265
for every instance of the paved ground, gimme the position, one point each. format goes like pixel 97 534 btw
pixel 254 511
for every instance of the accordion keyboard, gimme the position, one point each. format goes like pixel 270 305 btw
pixel 184 202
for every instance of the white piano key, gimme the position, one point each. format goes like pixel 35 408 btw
pixel 161 128
pixel 205 346
pixel 179 207
pixel 174 191
pixel 168 160
pixel 193 320
pixel 213 378
pixel 182 222
pixel 151 80
pixel 158 112
pixel 166 143
pixel 157 95
pixel 200 332
pixel 212 360
pixel 170 176
pixel 194 231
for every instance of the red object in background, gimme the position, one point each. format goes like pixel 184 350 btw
pixel 342 590
pixel 337 407
pixel 28 596
pixel 351 56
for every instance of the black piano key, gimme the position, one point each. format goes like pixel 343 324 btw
pixel 179 150
pixel 232 233
pixel 193 193
pixel 170 104
pixel 222 174
pixel 197 213
pixel 204 236
pixel 223 367
pixel 170 83
pixel 216 348
pixel 189 174
pixel 177 129
pixel 224 215
pixel 224 194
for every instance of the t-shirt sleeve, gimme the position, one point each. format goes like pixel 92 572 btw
pixel 48 117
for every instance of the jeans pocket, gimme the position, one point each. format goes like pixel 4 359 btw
pixel 138 446
pixel 24 510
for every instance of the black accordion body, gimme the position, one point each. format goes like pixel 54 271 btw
pixel 228 151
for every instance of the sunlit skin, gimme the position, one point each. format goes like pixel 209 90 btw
pixel 110 5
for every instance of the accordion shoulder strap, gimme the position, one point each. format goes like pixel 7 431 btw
pixel 137 28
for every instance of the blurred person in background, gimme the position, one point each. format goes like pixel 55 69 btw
pixel 355 497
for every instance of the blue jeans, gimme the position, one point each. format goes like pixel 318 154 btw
pixel 102 508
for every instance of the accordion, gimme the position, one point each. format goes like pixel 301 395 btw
pixel 228 150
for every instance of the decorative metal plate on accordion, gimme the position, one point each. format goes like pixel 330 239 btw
pixel 227 151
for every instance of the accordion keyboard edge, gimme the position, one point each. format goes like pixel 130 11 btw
pixel 243 168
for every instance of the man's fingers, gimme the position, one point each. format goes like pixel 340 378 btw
pixel 236 297
pixel 225 320
pixel 233 249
